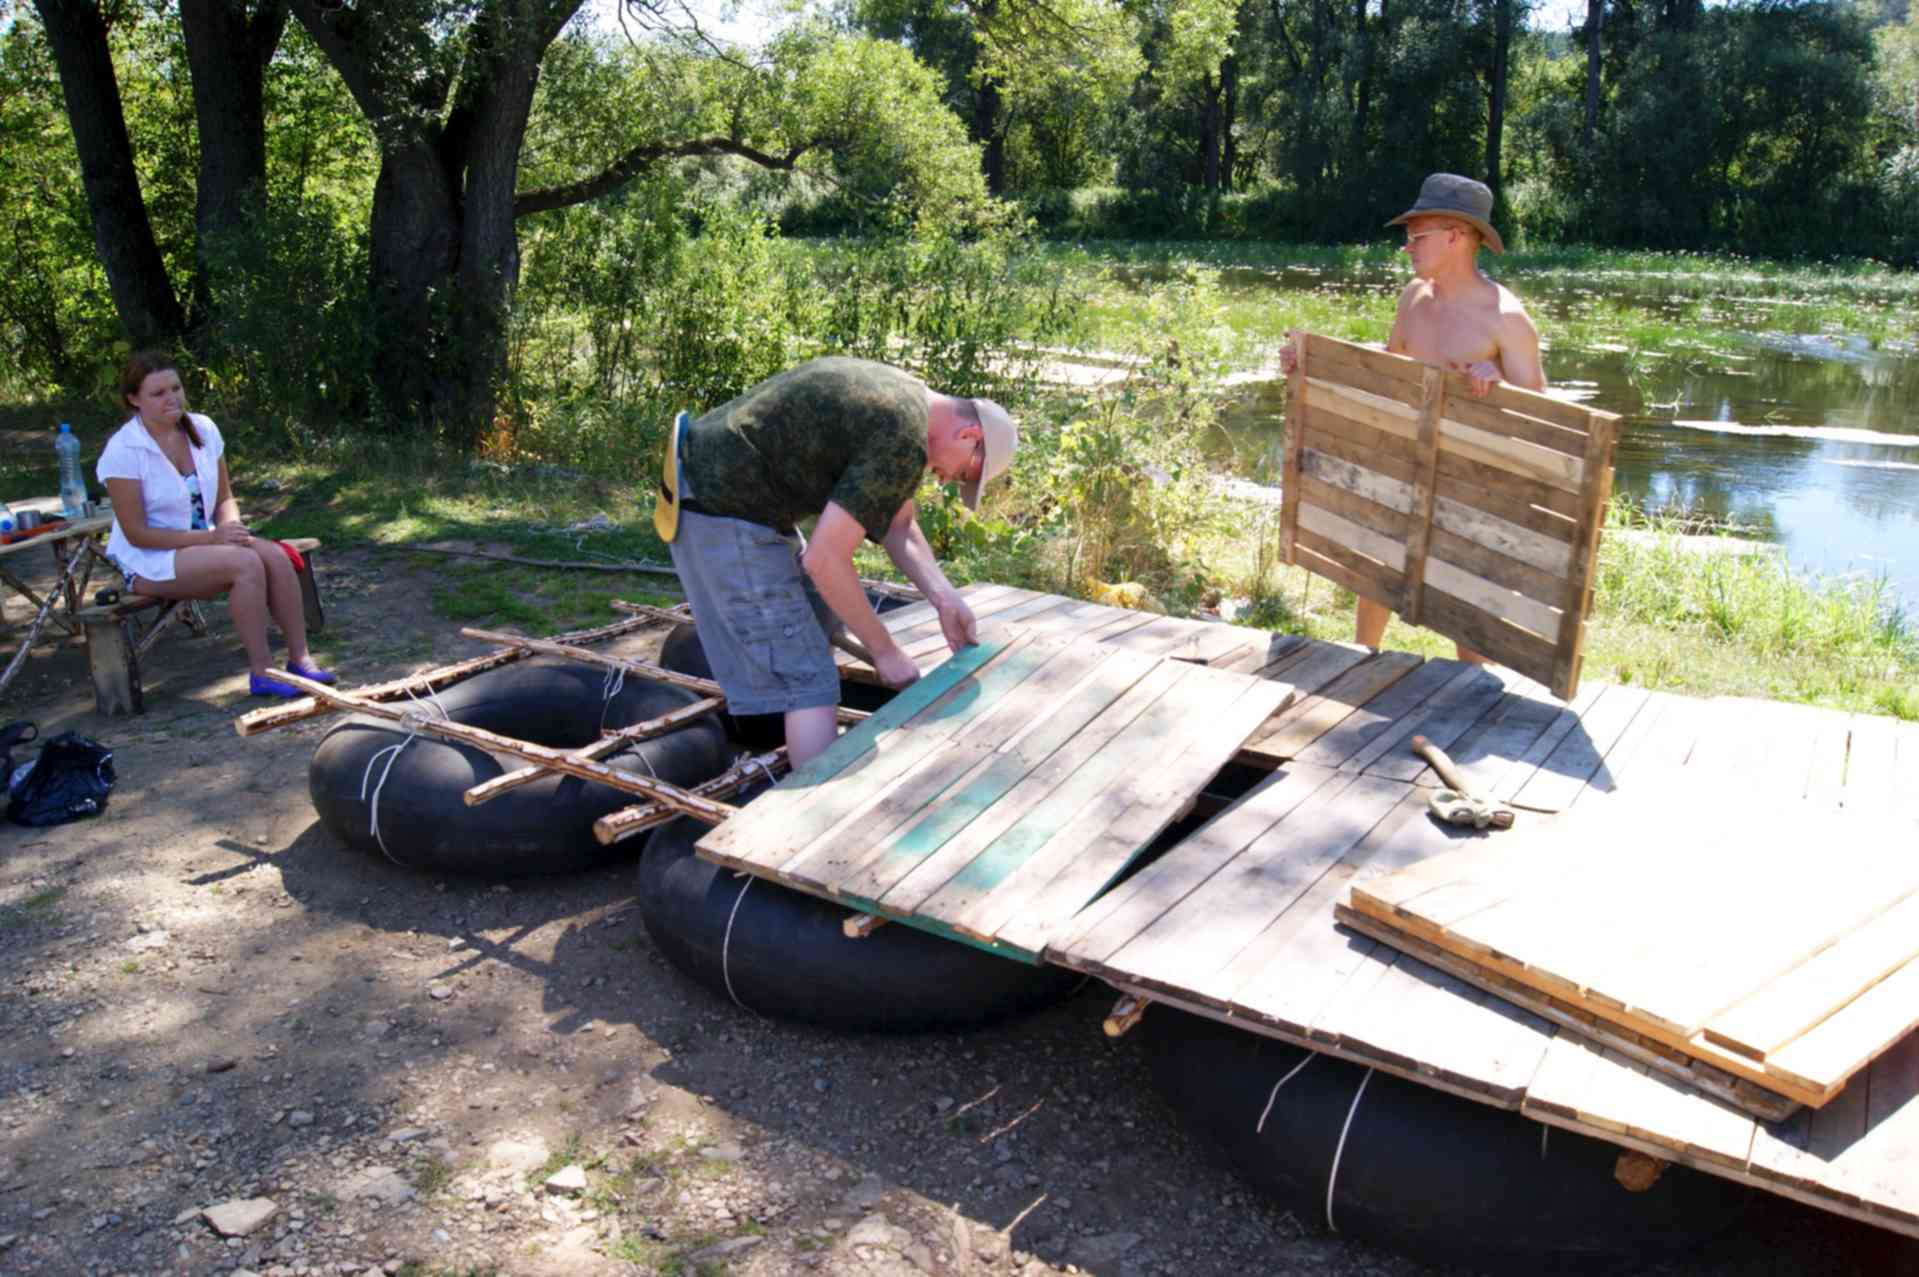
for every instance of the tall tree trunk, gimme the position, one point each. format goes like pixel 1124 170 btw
pixel 122 232
pixel 1229 148
pixel 986 130
pixel 1209 132
pixel 1363 105
pixel 1595 21
pixel 413 237
pixel 489 260
pixel 1496 105
pixel 228 49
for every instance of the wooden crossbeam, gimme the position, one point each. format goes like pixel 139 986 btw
pixel 253 722
pixel 608 744
pixel 559 760
pixel 629 822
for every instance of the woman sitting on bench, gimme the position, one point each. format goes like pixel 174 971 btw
pixel 164 469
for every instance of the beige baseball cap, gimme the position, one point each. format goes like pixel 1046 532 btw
pixel 1000 435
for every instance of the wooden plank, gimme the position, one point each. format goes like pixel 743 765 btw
pixel 1515 777
pixel 1353 507
pixel 1517 456
pixel 1397 375
pixel 1358 729
pixel 1491 745
pixel 1296 413
pixel 1788 1007
pixel 1074 729
pixel 1313 715
pixel 1347 569
pixel 1842 1044
pixel 1442 720
pixel 1432 405
pixel 1024 899
pixel 1361 403
pixel 1513 540
pixel 1495 568
pixel 1533 506
pixel 766 831
pixel 1433 1026
pixel 1382 549
pixel 852 830
pixel 1340 442
pixel 1735 1091
pixel 1871 756
pixel 1317 664
pixel 1568 435
pixel 1497 601
pixel 1186 948
pixel 1106 924
pixel 1291 971
pixel 1577 760
pixel 1585 552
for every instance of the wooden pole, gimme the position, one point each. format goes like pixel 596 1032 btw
pixel 414 718
pixel 256 721
pixel 572 565
pixel 645 669
pixel 598 749
pixel 628 821
pixel 1126 1013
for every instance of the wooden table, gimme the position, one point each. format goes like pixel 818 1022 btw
pixel 76 549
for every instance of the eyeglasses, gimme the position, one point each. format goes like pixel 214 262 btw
pixel 1416 236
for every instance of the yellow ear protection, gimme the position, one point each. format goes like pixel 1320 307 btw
pixel 666 513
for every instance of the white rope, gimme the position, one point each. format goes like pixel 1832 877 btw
pixel 412 719
pixel 610 687
pixel 1332 1177
pixel 726 944
pixel 1259 1127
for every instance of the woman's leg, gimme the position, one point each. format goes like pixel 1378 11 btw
pixel 204 571
pixel 283 597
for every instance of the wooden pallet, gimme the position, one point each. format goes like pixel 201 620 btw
pixel 996 796
pixel 1691 919
pixel 1237 923
pixel 1476 517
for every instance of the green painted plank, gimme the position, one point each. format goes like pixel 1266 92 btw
pixel 1030 766
pixel 949 682
pixel 827 828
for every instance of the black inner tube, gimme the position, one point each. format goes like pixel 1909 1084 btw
pixel 1443 1178
pixel 542 827
pixel 782 953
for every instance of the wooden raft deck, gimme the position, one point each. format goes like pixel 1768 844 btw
pixel 963 812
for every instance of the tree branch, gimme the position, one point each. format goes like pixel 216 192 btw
pixel 641 158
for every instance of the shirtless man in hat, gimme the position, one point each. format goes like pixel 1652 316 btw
pixel 847 440
pixel 1453 316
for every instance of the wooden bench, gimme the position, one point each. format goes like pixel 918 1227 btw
pixel 120 634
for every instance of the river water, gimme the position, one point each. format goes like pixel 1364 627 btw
pixel 1807 441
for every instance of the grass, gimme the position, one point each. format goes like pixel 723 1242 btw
pixel 35 908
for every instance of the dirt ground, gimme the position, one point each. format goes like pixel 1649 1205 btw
pixel 207 1000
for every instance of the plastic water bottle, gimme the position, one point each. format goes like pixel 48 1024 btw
pixel 73 488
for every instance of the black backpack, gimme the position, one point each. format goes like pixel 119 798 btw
pixel 70 780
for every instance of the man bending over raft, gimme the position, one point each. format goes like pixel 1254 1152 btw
pixel 1453 316
pixel 848 440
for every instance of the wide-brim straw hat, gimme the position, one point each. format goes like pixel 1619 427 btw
pixel 1460 198
pixel 999 436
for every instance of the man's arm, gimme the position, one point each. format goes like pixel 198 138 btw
pixel 906 545
pixel 1519 349
pixel 829 562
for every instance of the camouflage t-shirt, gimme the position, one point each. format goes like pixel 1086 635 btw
pixel 833 429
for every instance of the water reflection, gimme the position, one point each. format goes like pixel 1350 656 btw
pixel 1810 441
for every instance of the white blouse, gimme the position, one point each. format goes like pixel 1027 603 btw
pixel 132 454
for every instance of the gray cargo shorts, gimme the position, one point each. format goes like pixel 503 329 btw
pixel 763 625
